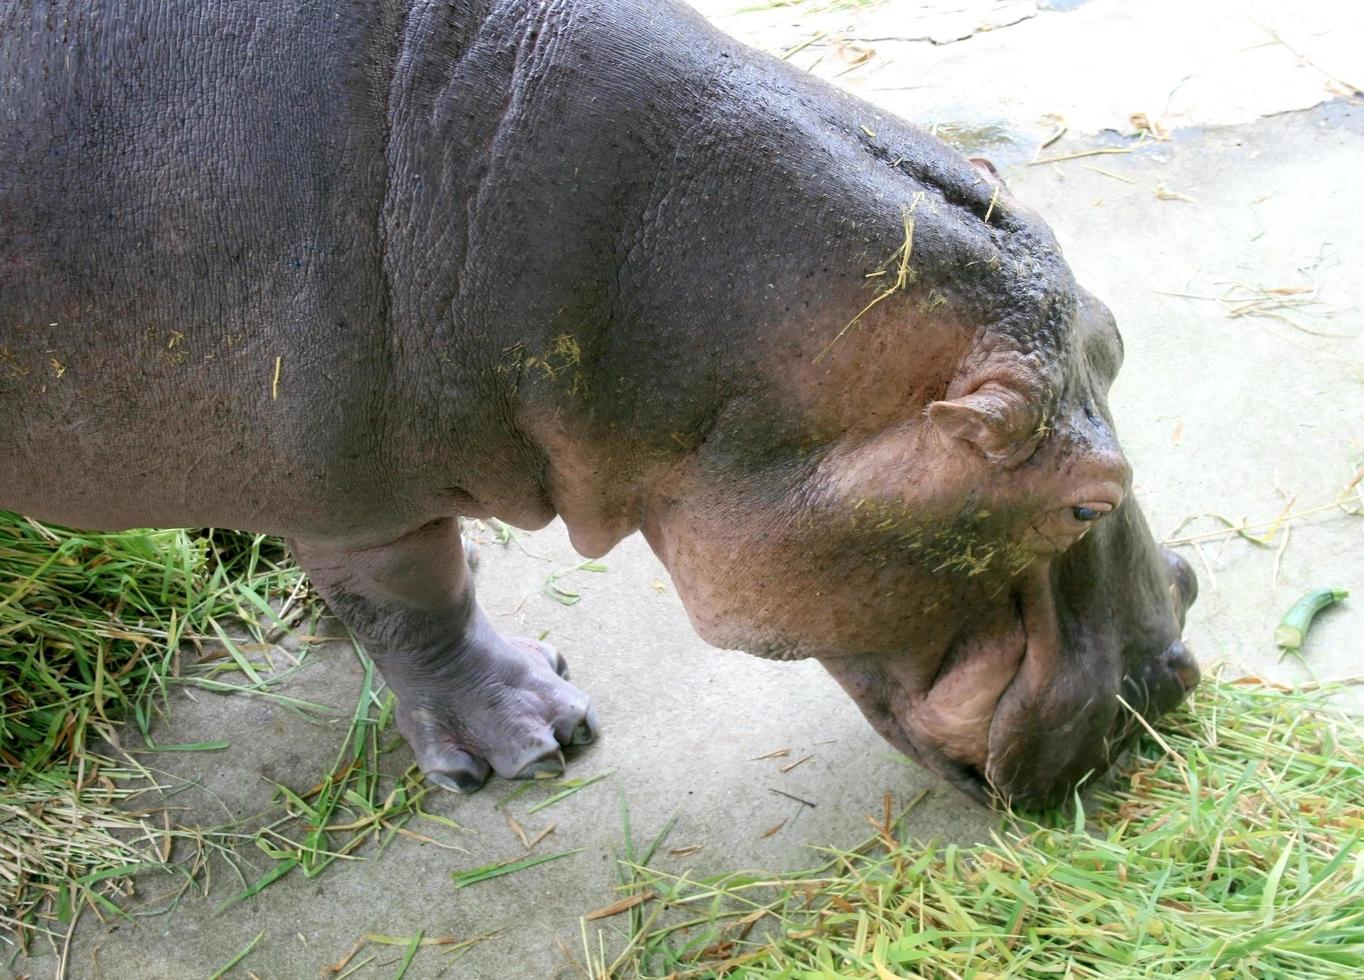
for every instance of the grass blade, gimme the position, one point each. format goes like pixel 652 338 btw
pixel 1272 882
pixel 463 879
pixel 280 869
pixel 571 786
pixel 412 947
pixel 218 973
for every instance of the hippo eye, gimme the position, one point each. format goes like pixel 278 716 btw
pixel 1087 515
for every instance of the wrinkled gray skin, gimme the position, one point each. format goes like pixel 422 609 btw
pixel 342 271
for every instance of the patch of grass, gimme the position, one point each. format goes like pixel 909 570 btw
pixel 91 631
pixel 92 628
pixel 91 625
pixel 1229 848
pixel 68 842
pixel 352 805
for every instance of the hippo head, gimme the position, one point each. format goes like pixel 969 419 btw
pixel 928 495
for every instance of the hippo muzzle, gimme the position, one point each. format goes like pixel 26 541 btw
pixel 1115 654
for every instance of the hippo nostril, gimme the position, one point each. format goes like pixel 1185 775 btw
pixel 1182 664
pixel 1185 582
pixel 1188 676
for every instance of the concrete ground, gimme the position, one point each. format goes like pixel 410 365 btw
pixel 1240 416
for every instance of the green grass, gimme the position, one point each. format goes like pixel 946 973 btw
pixel 92 630
pixel 1227 847
pixel 92 626
pixel 353 804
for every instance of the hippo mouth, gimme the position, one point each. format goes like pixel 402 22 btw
pixel 947 723
pixel 1036 671
pixel 1009 718
pixel 1060 722
pixel 952 724
pixel 963 727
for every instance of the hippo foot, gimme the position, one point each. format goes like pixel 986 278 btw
pixel 509 709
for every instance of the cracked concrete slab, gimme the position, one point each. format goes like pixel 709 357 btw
pixel 939 23
pixel 1094 64
pixel 1220 415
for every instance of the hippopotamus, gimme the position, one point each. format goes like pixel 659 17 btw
pixel 346 271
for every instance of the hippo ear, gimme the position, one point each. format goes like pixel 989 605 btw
pixel 986 167
pixel 994 418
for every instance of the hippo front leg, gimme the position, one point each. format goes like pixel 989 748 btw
pixel 469 699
